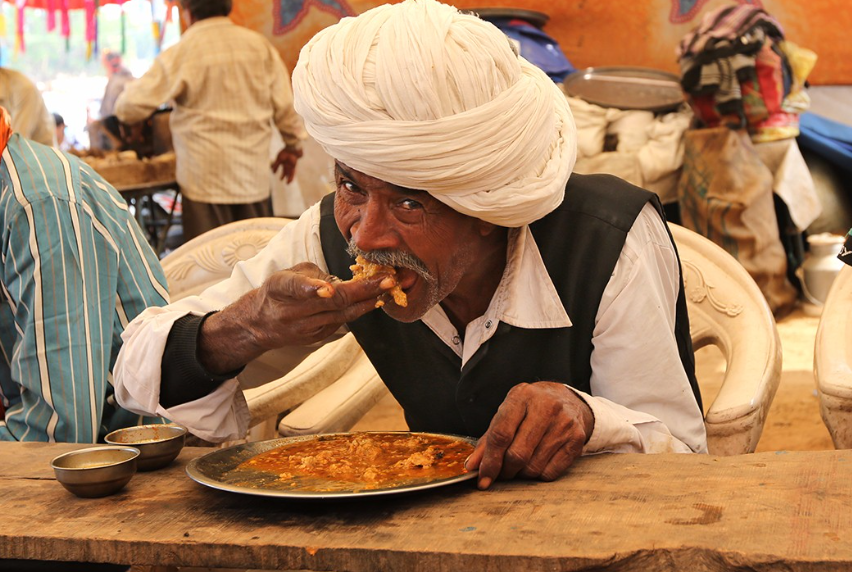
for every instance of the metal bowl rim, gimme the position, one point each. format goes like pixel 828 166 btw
pixel 133 450
pixel 182 431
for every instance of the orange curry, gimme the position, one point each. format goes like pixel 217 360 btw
pixel 364 461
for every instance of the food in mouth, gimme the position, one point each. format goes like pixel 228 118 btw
pixel 363 269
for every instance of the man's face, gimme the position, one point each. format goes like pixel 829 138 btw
pixel 431 245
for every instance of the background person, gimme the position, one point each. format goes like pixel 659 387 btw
pixel 533 300
pixel 76 269
pixel 25 104
pixel 118 77
pixel 227 86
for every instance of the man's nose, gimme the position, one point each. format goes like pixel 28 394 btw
pixel 374 228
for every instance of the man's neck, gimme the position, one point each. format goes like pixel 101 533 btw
pixel 473 295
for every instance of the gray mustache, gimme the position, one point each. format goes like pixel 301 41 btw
pixel 395 258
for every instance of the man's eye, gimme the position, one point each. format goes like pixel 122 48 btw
pixel 410 204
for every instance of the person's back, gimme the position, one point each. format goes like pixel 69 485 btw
pixel 230 92
pixel 76 269
pixel 228 87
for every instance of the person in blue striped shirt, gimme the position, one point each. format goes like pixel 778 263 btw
pixel 75 270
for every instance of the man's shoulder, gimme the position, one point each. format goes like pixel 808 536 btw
pixel 58 174
pixel 605 197
pixel 218 27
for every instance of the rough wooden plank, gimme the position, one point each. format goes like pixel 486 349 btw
pixel 612 512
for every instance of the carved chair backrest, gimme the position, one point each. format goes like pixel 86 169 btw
pixel 211 257
pixel 727 309
pixel 833 360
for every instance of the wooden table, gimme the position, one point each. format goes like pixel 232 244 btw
pixel 767 511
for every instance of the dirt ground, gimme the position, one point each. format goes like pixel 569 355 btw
pixel 793 422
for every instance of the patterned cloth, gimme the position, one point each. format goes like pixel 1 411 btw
pixel 227 86
pixel 75 270
pixel 734 69
pixel 846 252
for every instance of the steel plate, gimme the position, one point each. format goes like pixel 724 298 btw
pixel 216 470
pixel 626 88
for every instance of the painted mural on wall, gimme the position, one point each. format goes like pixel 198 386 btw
pixel 685 11
pixel 591 33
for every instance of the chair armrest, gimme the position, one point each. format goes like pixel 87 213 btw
pixel 339 406
pixel 318 371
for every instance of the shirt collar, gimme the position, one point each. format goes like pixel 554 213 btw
pixel 208 23
pixel 525 298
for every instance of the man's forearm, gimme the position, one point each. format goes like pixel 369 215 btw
pixel 226 340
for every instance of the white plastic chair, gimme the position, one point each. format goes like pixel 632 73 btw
pixel 727 309
pixel 832 359
pixel 329 391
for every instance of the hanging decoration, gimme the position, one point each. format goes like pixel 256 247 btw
pixel 91 8
pixel 19 32
pixel 91 27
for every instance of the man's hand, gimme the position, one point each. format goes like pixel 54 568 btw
pixel 286 159
pixel 538 431
pixel 298 306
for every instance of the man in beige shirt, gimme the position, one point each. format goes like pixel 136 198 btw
pixel 227 86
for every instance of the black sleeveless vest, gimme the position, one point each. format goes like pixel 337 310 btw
pixel 580 243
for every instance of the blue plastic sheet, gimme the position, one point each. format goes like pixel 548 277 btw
pixel 827 138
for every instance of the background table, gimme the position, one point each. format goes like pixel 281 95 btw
pixel 141 198
pixel 764 512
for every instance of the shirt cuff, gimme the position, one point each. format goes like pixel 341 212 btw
pixel 183 378
pixel 611 431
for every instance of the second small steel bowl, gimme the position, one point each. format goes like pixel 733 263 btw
pixel 159 445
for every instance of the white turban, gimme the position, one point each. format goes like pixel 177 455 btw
pixel 422 96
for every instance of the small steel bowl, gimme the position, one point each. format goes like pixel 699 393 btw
pixel 96 471
pixel 159 445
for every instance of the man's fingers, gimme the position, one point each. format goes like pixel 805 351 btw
pixel 531 432
pixel 561 460
pixel 287 284
pixel 553 443
pixel 499 437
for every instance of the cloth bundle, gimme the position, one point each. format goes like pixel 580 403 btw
pixel 738 71
pixel 647 150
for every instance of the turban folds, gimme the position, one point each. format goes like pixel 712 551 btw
pixel 422 96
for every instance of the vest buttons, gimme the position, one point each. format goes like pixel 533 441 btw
pixel 456 340
pixel 488 324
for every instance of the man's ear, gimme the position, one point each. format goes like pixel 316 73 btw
pixel 486 228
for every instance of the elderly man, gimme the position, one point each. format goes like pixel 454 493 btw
pixel 547 318
pixel 228 87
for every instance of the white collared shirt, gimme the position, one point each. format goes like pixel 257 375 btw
pixel 640 403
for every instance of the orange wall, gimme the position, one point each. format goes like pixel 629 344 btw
pixel 591 32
